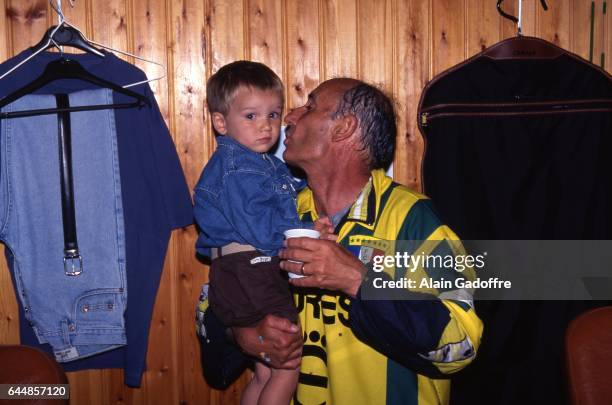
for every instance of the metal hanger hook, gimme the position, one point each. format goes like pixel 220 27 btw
pixel 511 17
pixel 57 7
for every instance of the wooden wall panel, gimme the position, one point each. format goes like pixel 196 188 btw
pixel 530 17
pixel 607 35
pixel 162 382
pixel 5 32
pixel 28 22
pixel 149 29
pixel 75 15
pixel 302 52
pixel 554 24
pixel 411 42
pixel 188 29
pixel 338 41
pixel 601 36
pixel 485 27
pixel 580 19
pixel 9 321
pixel 265 22
pixel 448 34
pixel 109 24
pixel 227 26
pixel 375 46
pixel 9 317
pixel 508 28
pixel 400 44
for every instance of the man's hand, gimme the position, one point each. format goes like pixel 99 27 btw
pixel 273 338
pixel 325 264
pixel 324 226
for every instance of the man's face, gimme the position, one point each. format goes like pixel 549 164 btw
pixel 308 127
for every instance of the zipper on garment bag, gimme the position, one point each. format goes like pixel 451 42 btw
pixel 512 109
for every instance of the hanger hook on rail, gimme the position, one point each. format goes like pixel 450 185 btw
pixel 504 14
pixel 513 18
pixel 56 5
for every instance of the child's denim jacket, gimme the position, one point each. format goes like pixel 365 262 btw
pixel 246 197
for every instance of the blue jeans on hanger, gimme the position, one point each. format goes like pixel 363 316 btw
pixel 83 315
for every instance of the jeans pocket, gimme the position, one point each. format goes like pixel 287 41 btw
pixel 101 309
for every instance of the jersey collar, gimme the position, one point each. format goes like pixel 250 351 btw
pixel 365 208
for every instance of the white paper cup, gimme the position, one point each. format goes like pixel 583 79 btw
pixel 300 233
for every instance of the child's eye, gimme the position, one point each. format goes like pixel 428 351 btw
pixel 250 116
pixel 274 115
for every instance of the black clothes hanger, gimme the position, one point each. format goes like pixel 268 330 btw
pixel 65 68
pixel 65 35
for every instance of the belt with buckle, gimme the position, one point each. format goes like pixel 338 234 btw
pixel 229 249
pixel 73 262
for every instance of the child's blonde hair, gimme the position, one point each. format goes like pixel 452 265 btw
pixel 222 86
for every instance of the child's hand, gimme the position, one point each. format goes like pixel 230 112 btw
pixel 325 228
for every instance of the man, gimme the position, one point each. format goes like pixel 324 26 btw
pixel 358 350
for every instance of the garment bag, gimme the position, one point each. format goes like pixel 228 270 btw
pixel 518 142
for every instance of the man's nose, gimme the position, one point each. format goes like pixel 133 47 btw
pixel 292 116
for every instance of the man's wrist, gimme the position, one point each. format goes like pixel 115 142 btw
pixel 353 289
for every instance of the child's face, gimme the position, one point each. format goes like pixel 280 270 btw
pixel 253 120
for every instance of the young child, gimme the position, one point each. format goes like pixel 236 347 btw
pixel 244 201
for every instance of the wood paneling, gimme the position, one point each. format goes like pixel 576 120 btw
pixel 339 43
pixel 412 41
pixel 580 29
pixel 448 34
pixel 607 35
pixel 399 44
pixel 554 24
pixel 265 27
pixel 486 27
pixel 302 51
pixel 110 25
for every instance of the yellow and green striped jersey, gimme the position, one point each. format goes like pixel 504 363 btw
pixel 426 339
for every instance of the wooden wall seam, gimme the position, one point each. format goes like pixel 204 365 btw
pixel 322 45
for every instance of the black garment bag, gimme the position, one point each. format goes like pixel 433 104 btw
pixel 518 142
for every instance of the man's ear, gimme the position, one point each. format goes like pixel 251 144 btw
pixel 345 126
pixel 218 121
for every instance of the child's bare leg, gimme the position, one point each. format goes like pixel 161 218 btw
pixel 253 390
pixel 280 387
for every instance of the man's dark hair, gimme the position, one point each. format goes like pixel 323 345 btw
pixel 221 87
pixel 376 116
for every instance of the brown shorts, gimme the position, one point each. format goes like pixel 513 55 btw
pixel 241 293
